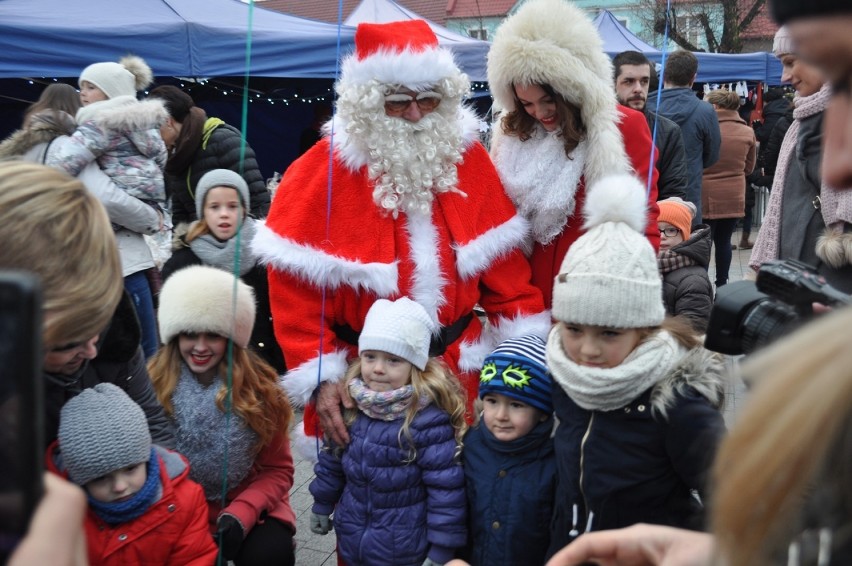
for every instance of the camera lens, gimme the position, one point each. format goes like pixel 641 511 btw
pixel 765 322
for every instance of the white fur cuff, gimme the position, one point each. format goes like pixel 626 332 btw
pixel 299 383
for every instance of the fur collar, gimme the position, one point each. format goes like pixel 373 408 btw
pixel 354 156
pixel 46 130
pixel 700 369
pixel 124 113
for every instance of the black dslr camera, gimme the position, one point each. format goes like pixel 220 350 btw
pixel 747 316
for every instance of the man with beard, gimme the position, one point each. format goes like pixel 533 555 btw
pixel 409 206
pixel 632 79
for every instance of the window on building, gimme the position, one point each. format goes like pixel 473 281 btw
pixel 691 29
pixel 478 33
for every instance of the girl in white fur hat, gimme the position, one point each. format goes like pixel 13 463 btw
pixel 397 489
pixel 229 412
pixel 638 398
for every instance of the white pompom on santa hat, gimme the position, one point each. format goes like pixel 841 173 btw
pixel 398 53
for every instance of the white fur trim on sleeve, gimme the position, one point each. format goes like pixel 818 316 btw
pixel 322 269
pixel 522 325
pixel 299 383
pixel 303 445
pixel 477 255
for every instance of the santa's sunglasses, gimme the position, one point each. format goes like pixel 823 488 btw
pixel 398 103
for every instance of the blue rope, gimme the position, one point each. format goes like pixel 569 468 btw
pixel 657 107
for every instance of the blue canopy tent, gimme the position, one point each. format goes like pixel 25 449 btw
pixel 712 67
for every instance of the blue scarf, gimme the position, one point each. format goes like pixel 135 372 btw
pixel 136 506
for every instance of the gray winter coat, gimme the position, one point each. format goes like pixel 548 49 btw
pixel 687 290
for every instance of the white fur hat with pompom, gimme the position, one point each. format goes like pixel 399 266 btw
pixel 201 299
pixel 609 276
pixel 125 78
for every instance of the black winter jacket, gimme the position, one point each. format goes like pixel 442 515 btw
pixel 262 335
pixel 119 361
pixel 671 162
pixel 687 291
pixel 219 149
pixel 769 152
pixel 633 465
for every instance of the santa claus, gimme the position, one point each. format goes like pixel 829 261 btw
pixel 409 205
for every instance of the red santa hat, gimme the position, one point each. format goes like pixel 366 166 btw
pixel 401 53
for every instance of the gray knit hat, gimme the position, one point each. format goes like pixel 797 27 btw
pixel 200 298
pixel 124 78
pixel 220 178
pixel 402 328
pixel 609 276
pixel 782 43
pixel 517 368
pixel 102 430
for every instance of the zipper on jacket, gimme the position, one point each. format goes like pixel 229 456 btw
pixel 582 470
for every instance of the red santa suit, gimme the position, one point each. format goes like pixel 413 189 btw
pixel 332 251
pixel 547 186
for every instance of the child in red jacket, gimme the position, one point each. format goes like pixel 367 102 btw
pixel 143 508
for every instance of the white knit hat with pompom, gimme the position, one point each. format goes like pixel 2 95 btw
pixel 125 78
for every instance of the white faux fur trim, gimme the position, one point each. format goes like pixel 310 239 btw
pixel 353 156
pixel 477 255
pixel 413 69
pixel 538 324
pixel 124 113
pixel 617 198
pixel 472 354
pixel 835 247
pixel 299 383
pixel 305 446
pixel 322 269
pixel 428 283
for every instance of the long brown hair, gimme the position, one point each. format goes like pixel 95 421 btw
pixel 58 97
pixel 518 122
pixel 256 395
pixel 788 440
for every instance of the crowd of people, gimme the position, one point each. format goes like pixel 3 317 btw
pixel 498 353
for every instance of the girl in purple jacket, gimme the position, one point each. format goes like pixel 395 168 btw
pixel 397 489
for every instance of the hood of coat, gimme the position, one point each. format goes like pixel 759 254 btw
pixel 44 127
pixel 697 247
pixel 699 369
pixel 124 113
pixel 121 340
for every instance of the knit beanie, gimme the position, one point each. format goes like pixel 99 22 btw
pixel 782 44
pixel 609 276
pixel 785 10
pixel 517 368
pixel 201 299
pixel 401 327
pixel 677 212
pixel 125 78
pixel 102 430
pixel 220 178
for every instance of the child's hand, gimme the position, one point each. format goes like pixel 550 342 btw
pixel 229 536
pixel 321 524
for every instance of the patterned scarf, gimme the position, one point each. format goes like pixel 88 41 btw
pixel 608 389
pixel 836 205
pixel 669 260
pixel 212 445
pixel 115 513
pixel 212 251
pixel 384 405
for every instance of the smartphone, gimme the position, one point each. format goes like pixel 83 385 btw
pixel 21 406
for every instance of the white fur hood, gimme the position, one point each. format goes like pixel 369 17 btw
pixel 124 113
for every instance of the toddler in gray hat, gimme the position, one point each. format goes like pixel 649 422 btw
pixel 143 508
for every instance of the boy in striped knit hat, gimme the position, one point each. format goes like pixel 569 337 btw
pixel 510 468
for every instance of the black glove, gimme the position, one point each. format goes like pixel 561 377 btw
pixel 229 536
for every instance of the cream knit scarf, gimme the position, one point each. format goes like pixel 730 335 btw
pixel 608 389
pixel 836 205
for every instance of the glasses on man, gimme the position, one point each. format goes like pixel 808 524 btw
pixel 669 232
pixel 398 103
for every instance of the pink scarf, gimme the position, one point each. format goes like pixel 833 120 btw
pixel 836 205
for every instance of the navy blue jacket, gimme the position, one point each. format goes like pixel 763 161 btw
pixel 701 136
pixel 510 491
pixel 632 465
pixel 387 511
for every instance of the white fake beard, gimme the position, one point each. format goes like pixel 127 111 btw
pixel 409 162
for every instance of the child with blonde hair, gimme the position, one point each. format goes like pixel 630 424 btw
pixel 231 417
pixel 638 397
pixel 397 489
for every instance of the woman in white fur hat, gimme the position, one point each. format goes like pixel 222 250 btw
pixel 561 127
pixel 239 419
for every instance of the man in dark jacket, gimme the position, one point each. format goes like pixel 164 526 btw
pixel 114 357
pixel 697 120
pixel 633 73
